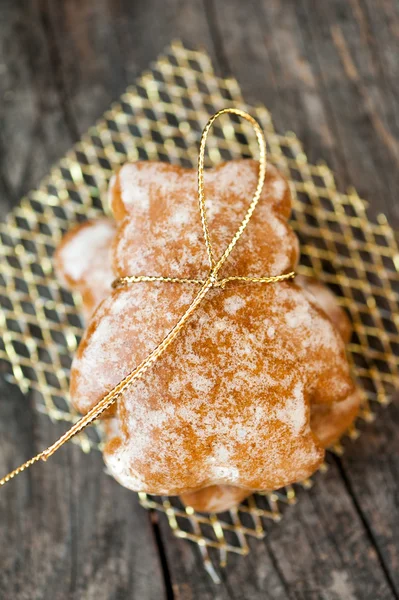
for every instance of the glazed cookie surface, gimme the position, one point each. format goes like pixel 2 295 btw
pixel 229 402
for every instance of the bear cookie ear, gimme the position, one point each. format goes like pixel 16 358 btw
pixel 239 178
pixel 137 186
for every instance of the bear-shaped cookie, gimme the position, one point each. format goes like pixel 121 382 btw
pixel 229 402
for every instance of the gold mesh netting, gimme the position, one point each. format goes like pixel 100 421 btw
pixel 161 118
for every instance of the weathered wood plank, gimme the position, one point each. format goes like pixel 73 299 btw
pixel 359 110
pixel 33 131
pixel 309 67
pixel 321 546
pixel 370 471
pixel 102 47
pixel 267 53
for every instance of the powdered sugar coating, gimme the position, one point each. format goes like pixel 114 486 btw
pixel 229 402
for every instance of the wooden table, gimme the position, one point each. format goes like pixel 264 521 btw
pixel 328 71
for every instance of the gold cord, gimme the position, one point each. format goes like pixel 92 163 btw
pixel 125 281
pixel 206 284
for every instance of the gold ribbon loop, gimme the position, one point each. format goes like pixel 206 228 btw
pixel 216 265
pixel 206 284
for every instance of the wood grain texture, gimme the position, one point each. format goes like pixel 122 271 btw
pixel 329 72
pixel 68 531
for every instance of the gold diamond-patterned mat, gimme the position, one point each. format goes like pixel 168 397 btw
pixel 161 118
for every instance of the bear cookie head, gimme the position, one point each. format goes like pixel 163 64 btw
pixel 229 401
pixel 160 226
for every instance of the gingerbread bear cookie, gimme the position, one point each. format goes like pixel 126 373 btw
pixel 229 402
